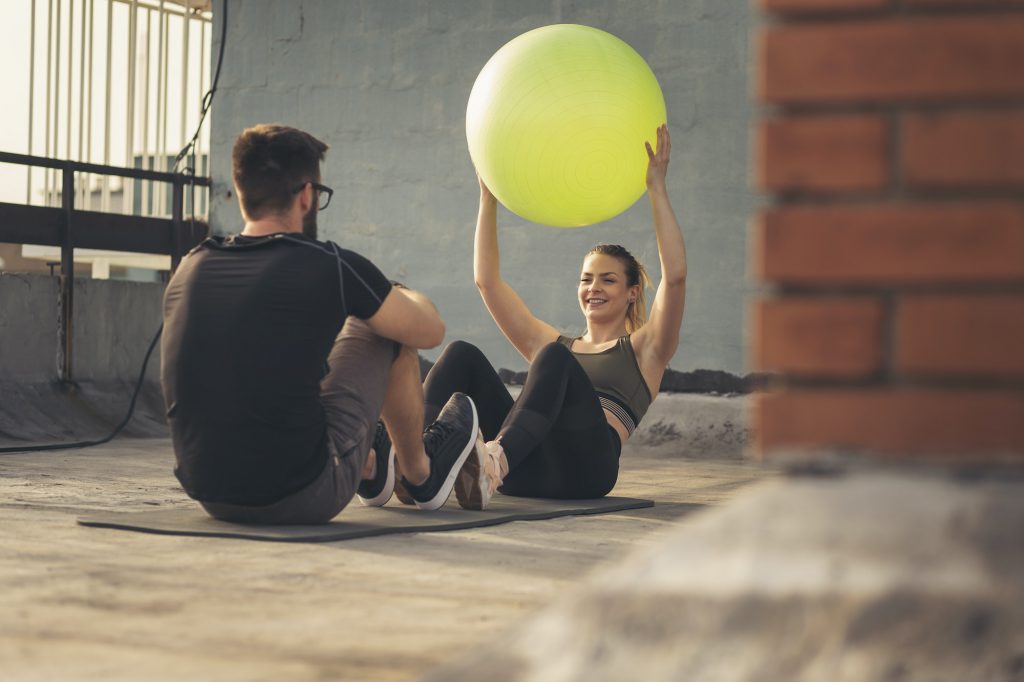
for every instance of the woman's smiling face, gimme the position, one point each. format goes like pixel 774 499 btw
pixel 604 291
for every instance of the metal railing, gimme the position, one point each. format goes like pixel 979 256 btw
pixel 68 228
pixel 135 70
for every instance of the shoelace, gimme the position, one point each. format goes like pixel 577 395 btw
pixel 435 435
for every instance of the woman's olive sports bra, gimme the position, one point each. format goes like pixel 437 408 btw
pixel 616 377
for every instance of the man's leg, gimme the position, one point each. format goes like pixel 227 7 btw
pixel 370 376
pixel 403 415
pixel 352 394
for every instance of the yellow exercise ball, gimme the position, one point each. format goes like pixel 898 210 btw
pixel 556 124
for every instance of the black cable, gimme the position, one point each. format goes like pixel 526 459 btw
pixel 124 422
pixel 208 97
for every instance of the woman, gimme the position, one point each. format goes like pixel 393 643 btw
pixel 561 438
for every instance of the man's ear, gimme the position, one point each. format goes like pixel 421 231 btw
pixel 305 197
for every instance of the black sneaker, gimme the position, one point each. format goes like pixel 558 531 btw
pixel 448 441
pixel 376 491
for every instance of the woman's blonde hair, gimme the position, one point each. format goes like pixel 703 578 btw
pixel 636 273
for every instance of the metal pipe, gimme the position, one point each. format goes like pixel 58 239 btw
pixel 178 198
pixel 71 78
pixel 49 73
pixel 129 146
pixel 105 192
pixel 88 137
pixel 147 158
pixel 202 77
pixel 65 336
pixel 203 143
pixel 97 168
pixel 31 97
pixel 161 109
pixel 56 88
pixel 184 75
pixel 164 161
pixel 82 186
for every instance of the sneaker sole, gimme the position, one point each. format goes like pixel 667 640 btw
pixel 389 485
pixel 471 490
pixel 446 488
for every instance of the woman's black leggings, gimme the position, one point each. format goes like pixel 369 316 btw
pixel 556 437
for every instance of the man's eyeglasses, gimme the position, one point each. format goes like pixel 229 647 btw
pixel 324 193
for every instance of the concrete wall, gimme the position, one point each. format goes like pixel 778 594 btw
pixel 385 83
pixel 114 323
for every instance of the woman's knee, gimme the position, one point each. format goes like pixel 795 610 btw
pixel 553 352
pixel 461 352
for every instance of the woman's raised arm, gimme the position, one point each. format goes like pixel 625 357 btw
pixel 526 333
pixel 658 339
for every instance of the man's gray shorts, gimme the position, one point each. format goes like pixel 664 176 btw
pixel 352 394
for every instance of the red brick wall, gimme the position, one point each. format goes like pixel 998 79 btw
pixel 891 252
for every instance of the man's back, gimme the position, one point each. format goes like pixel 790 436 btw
pixel 249 323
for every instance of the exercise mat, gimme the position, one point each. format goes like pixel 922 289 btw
pixel 356 521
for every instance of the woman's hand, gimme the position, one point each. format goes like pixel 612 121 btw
pixel 485 191
pixel 657 159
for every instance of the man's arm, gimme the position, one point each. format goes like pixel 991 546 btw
pixel 408 317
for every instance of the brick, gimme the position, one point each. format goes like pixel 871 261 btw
pixel 803 6
pixel 973 150
pixel 896 60
pixel 823 154
pixel 900 422
pixel 961 335
pixel 892 244
pixel 837 336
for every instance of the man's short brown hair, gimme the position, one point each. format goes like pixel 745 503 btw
pixel 269 161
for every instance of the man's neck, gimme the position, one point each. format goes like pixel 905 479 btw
pixel 265 226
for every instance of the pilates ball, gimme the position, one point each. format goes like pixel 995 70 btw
pixel 556 124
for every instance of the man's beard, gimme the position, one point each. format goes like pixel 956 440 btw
pixel 309 222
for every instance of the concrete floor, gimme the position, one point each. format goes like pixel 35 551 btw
pixel 875 572
pixel 96 604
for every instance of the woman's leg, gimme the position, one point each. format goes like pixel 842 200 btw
pixel 462 367
pixel 556 438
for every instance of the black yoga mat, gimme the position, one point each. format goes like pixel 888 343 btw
pixel 356 521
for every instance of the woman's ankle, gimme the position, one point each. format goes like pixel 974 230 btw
pixel 497 452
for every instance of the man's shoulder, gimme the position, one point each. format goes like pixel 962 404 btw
pixel 291 246
pixel 348 256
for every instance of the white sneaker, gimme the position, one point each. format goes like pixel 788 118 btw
pixel 481 475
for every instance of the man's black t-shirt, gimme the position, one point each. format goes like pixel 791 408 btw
pixel 248 326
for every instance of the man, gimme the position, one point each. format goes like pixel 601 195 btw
pixel 280 352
